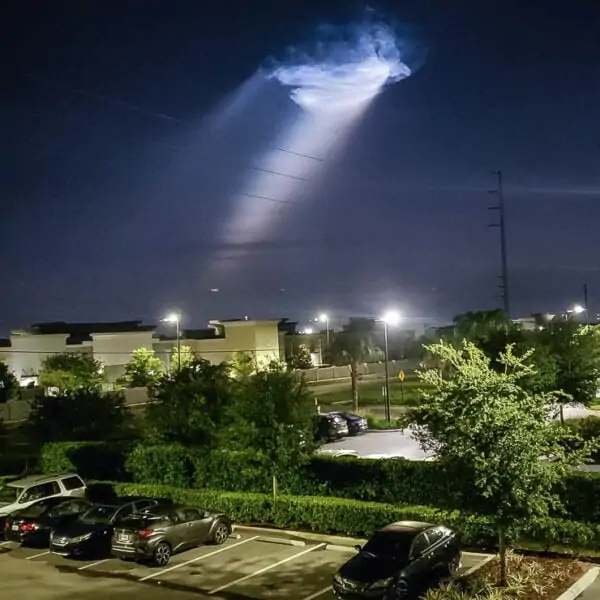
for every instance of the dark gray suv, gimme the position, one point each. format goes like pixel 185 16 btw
pixel 159 532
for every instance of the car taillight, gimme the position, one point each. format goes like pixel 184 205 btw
pixel 145 532
pixel 29 527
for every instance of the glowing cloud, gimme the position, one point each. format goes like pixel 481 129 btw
pixel 348 66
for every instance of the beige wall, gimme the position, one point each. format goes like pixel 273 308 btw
pixel 27 351
pixel 114 349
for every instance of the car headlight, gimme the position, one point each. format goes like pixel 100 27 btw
pixel 81 538
pixel 381 583
pixel 337 578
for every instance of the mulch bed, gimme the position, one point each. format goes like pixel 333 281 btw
pixel 532 578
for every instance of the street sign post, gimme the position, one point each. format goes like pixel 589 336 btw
pixel 401 377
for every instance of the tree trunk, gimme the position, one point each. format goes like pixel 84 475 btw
pixel 354 380
pixel 502 554
pixel 275 488
pixel 562 414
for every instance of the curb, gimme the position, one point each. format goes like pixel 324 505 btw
pixel 340 548
pixel 282 541
pixel 580 585
pixel 478 565
pixel 347 543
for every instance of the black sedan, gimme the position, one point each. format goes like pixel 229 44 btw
pixel 91 534
pixel 399 561
pixel 161 532
pixel 31 526
pixel 330 426
pixel 356 423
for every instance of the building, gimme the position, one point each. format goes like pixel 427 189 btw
pixel 113 343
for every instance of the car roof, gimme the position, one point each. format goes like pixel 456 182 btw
pixel 33 479
pixel 407 527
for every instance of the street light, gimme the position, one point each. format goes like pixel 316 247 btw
pixel 176 318
pixel 324 318
pixel 391 318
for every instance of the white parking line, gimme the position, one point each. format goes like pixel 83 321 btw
pixel 93 564
pixel 37 555
pixel 317 594
pixel 265 569
pixel 5 543
pixel 193 560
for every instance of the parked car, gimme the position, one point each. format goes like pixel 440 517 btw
pixel 160 532
pixel 91 533
pixel 31 526
pixel 356 423
pixel 401 560
pixel 22 493
pixel 330 426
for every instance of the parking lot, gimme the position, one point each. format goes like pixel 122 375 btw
pixel 248 566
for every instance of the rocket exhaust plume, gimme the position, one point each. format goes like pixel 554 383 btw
pixel 333 80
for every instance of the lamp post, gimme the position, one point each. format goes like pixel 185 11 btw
pixel 390 318
pixel 324 318
pixel 176 318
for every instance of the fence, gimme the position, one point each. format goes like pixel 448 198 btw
pixel 364 370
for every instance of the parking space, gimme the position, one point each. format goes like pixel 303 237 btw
pixel 246 567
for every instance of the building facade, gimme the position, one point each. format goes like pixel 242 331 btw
pixel 113 343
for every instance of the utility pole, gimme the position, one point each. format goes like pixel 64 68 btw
pixel 585 304
pixel 501 224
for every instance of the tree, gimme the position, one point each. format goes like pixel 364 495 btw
pixel 273 416
pixel 184 358
pixel 354 344
pixel 243 365
pixel 77 415
pixel 70 371
pixel 494 438
pixel 190 405
pixel 9 384
pixel 479 325
pixel 143 369
pixel 576 353
pixel 301 358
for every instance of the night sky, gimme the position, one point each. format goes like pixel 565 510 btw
pixel 123 164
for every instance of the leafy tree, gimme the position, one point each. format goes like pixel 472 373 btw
pixel 243 364
pixel 576 353
pixel 354 344
pixel 493 436
pixel 274 417
pixel 9 385
pixel 301 358
pixel 475 326
pixel 70 371
pixel 77 415
pixel 144 369
pixel 184 358
pixel 190 405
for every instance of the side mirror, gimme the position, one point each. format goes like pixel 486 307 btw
pixel 358 548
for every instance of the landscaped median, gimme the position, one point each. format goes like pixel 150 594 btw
pixel 356 518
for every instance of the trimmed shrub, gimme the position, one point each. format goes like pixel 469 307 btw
pixel 165 464
pixel 92 460
pixel 355 518
pixel 393 481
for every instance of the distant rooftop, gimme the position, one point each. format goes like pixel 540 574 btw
pixel 81 332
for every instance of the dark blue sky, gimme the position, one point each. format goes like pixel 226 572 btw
pixel 115 188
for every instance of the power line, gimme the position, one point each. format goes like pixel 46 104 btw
pixel 280 174
pixel 264 198
pixel 300 154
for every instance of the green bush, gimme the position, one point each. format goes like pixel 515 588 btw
pixel 92 460
pixel 355 518
pixel 393 481
pixel 589 430
pixel 165 464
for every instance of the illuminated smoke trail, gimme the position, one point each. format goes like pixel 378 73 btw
pixel 334 83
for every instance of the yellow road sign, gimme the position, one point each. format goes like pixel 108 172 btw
pixel 401 376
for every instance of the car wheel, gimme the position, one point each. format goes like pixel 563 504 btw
pixel 220 534
pixel 161 555
pixel 453 565
pixel 401 590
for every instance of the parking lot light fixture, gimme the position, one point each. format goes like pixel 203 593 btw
pixel 390 318
pixel 175 317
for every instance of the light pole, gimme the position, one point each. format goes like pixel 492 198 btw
pixel 390 318
pixel 324 318
pixel 176 318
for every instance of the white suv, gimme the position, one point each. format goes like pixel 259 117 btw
pixel 24 492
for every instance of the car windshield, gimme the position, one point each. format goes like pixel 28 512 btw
pixel 37 509
pixel 99 514
pixel 9 495
pixel 390 543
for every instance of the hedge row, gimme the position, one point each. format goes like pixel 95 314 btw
pixel 362 519
pixel 391 481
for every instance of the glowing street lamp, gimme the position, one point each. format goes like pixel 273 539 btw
pixel 176 318
pixel 324 318
pixel 578 309
pixel 390 318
